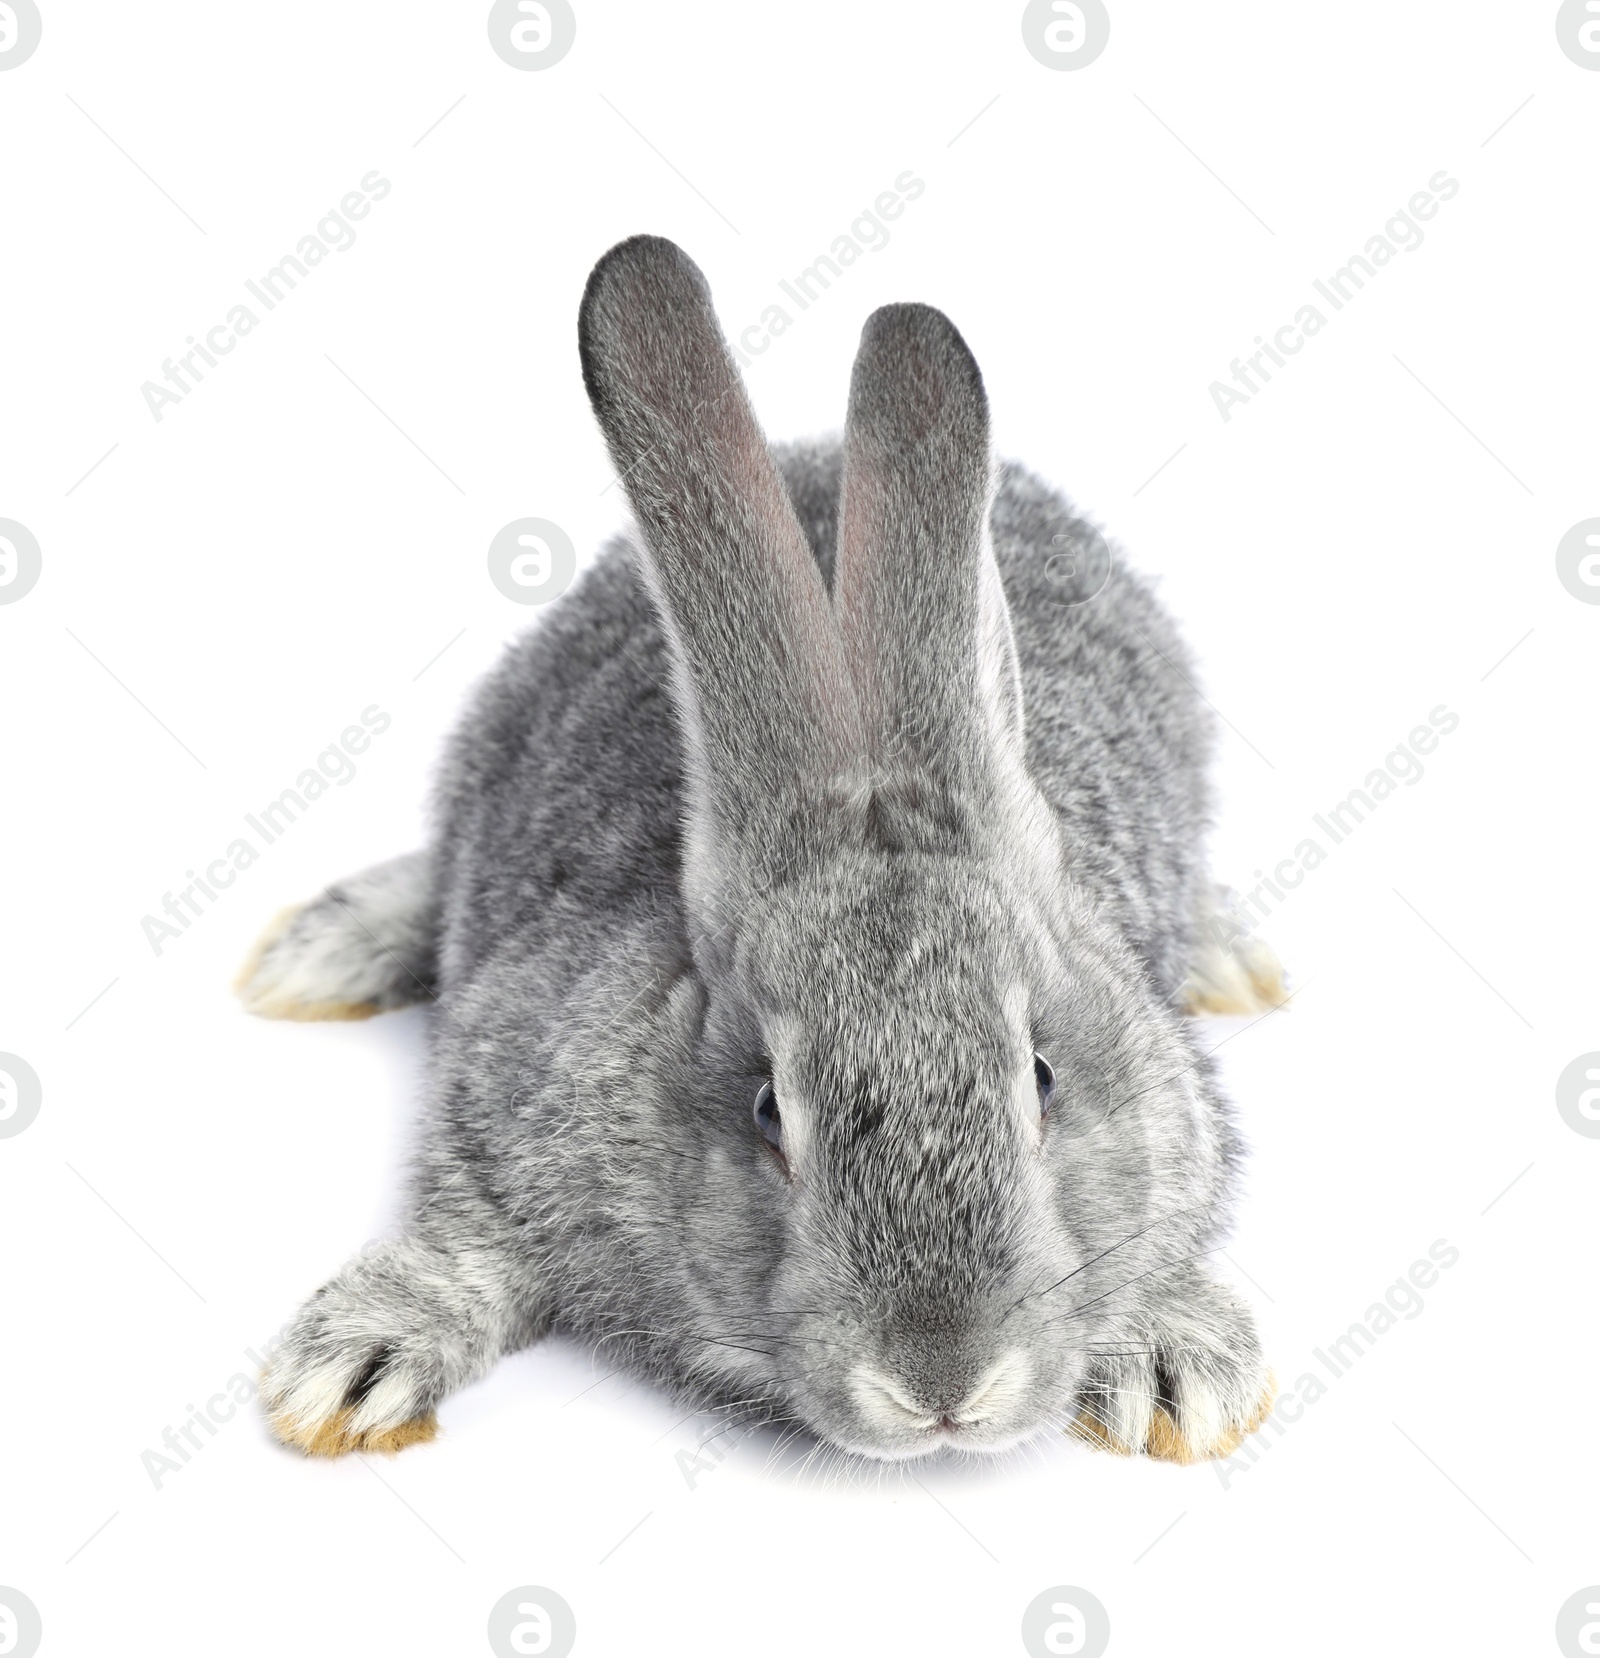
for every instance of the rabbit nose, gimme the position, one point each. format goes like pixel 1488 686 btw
pixel 942 1403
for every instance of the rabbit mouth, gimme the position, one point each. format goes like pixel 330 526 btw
pixel 904 1419
pixel 968 1439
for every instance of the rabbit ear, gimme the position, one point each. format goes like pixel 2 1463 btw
pixel 923 614
pixel 768 706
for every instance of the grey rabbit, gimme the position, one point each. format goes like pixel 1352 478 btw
pixel 814 904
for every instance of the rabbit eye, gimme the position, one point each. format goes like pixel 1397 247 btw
pixel 766 1115
pixel 1046 1079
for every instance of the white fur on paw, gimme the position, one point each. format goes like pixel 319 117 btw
pixel 1196 1403
pixel 1202 1432
pixel 315 1401
pixel 1116 1410
pixel 1243 978
pixel 365 944
pixel 1211 1420
pixel 294 972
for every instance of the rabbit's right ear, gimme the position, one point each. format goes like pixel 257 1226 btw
pixel 768 707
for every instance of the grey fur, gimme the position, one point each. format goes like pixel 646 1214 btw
pixel 858 802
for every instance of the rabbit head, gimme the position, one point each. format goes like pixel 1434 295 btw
pixel 914 1031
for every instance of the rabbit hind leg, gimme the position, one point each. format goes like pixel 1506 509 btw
pixel 1231 971
pixel 363 946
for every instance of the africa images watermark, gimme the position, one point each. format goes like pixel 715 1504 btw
pixel 334 234
pixel 180 1444
pixel 1402 1299
pixel 708 1454
pixel 1402 234
pixel 335 767
pixel 867 233
pixel 1402 765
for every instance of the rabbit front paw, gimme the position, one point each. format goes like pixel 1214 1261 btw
pixel 370 1355
pixel 1183 1383
pixel 364 1361
pixel 328 1394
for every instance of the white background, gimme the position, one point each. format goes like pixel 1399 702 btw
pixel 1362 542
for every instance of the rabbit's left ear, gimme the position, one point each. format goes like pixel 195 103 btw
pixel 926 629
